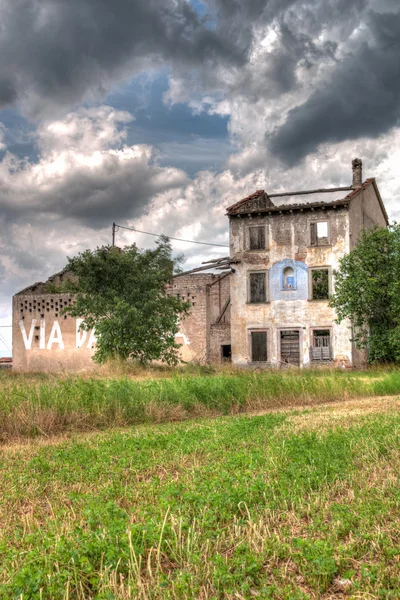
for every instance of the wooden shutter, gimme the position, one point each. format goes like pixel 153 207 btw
pixel 259 346
pixel 258 287
pixel 257 238
pixel 313 234
pixel 321 349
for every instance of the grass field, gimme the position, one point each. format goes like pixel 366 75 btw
pixel 291 504
pixel 46 405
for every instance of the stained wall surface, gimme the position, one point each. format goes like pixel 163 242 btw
pixel 288 244
pixel 46 340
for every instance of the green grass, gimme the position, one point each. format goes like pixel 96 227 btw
pixel 274 506
pixel 45 405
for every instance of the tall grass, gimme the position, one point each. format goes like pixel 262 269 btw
pixel 31 406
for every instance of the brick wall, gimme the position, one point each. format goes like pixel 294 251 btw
pixel 46 340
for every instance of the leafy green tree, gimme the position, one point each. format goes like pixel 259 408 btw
pixel 122 295
pixel 367 291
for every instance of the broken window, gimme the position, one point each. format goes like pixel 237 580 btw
pixel 321 348
pixel 288 279
pixel 257 238
pixel 319 233
pixel 259 346
pixel 257 284
pixel 319 284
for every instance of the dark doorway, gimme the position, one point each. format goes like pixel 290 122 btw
pixel 226 352
pixel 259 346
pixel 290 347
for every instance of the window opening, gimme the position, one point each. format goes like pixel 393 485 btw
pixel 257 238
pixel 319 284
pixel 226 352
pixel 288 278
pixel 321 345
pixel 319 233
pixel 258 292
pixel 259 346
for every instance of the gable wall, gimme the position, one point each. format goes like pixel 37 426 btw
pixel 365 212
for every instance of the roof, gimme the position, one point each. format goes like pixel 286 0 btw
pixel 260 202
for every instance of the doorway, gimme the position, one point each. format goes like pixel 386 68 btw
pixel 290 346
pixel 226 352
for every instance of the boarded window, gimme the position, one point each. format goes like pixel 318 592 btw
pixel 259 346
pixel 258 292
pixel 320 284
pixel 290 347
pixel 319 233
pixel 257 238
pixel 321 345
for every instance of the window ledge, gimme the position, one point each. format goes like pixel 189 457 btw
pixel 320 246
pixel 258 303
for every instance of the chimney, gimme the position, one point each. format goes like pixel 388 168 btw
pixel 357 173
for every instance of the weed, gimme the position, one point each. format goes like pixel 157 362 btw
pixel 46 405
pixel 239 507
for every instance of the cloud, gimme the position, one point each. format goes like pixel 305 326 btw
pixel 361 98
pixel 55 54
pixel 85 173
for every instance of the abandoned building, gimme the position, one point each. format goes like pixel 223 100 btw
pixel 268 305
pixel 44 339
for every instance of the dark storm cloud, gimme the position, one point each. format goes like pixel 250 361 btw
pixel 119 188
pixel 53 52
pixel 361 99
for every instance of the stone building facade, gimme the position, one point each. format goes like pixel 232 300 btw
pixel 286 257
pixel 270 308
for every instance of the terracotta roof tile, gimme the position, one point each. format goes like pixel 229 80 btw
pixel 366 183
pixel 244 200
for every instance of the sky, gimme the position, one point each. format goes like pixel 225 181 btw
pixel 160 115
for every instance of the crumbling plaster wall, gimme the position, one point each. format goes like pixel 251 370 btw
pixel 207 292
pixel 46 340
pixel 288 236
pixel 365 212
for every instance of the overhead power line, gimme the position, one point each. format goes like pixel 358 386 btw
pixel 115 228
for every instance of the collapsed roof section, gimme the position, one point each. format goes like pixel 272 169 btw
pixel 260 201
